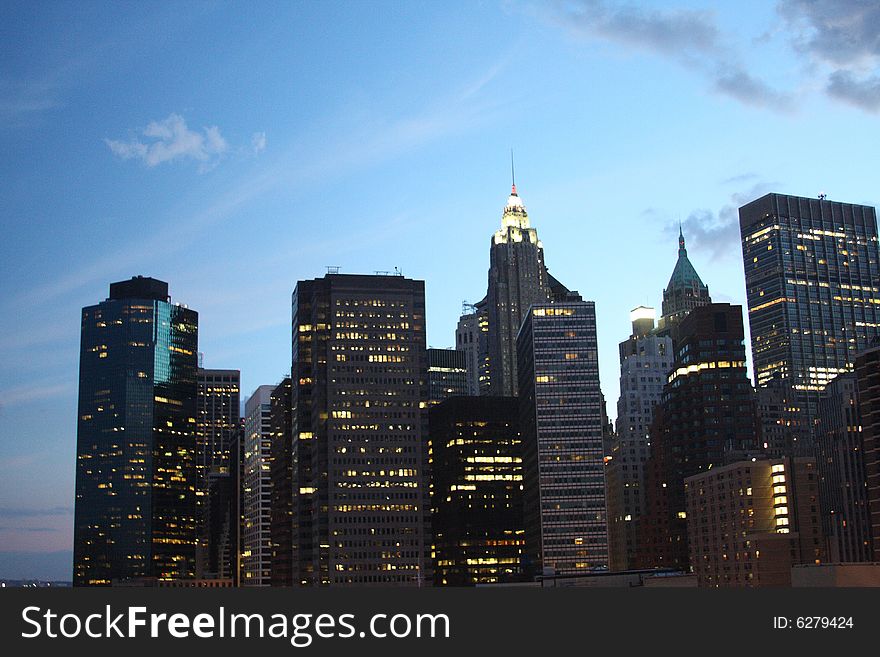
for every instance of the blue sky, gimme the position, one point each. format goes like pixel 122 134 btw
pixel 233 149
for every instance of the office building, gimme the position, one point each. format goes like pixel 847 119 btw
pixel 359 437
pixel 707 417
pixel 257 491
pixel 750 522
pixel 645 360
pixel 281 522
pixel 813 288
pixel 478 525
pixel 867 369
pixel 217 422
pixel 561 424
pixel 136 476
pixel 468 336
pixel 447 374
pixel 843 489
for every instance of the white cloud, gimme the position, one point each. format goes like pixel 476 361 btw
pixel 169 140
pixel 258 142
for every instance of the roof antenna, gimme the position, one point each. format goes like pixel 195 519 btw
pixel 512 174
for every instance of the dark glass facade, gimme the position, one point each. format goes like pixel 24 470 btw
pixel 359 434
pixel 136 477
pixel 478 525
pixel 447 374
pixel 842 483
pixel 868 375
pixel 813 289
pixel 561 424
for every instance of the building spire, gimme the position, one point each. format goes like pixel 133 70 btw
pixel 512 175
pixel 681 250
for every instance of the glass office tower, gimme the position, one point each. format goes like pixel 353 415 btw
pixel 136 476
pixel 813 287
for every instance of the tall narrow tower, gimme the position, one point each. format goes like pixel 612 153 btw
pixel 685 291
pixel 517 280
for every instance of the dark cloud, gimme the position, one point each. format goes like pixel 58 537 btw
pixel 748 89
pixel 841 32
pixel 688 37
pixel 667 32
pixel 12 512
pixel 843 35
pixel 863 93
pixel 716 233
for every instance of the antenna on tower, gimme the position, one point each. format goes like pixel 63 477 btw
pixel 512 172
pixel 822 196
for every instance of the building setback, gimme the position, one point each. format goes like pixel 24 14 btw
pixel 476 504
pixel 136 475
pixel 468 336
pixel 868 375
pixel 707 418
pixel 813 288
pixel 359 440
pixel 561 424
pixel 841 466
pixel 749 522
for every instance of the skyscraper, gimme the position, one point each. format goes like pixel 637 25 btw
pixel 217 423
pixel 843 490
pixel 707 417
pixel 517 280
pixel 478 525
pixel 257 491
pixel 868 374
pixel 684 292
pixel 281 520
pixel 813 287
pixel 467 339
pixel 645 360
pixel 359 431
pixel 136 475
pixel 561 424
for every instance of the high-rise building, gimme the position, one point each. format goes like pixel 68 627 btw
pixel 867 367
pixel 281 522
pixel 136 475
pixel 813 288
pixel 518 279
pixel 217 422
pixel 257 491
pixel 561 424
pixel 467 339
pixel 684 292
pixel 478 526
pixel 645 360
pixel 842 483
pixel 359 431
pixel 750 521
pixel 707 417
pixel 447 374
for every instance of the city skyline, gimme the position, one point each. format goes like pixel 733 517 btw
pixel 401 161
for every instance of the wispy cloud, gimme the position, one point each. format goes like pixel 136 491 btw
pixel 169 140
pixel 746 88
pixel 258 142
pixel 26 394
